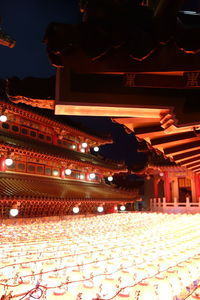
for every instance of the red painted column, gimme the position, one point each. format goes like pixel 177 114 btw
pixel 62 173
pixel 167 187
pixel 55 139
pixel 197 186
pixel 155 187
pixel 87 176
pixel 112 209
pixel 79 147
pixel 2 164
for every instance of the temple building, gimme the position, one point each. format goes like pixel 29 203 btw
pixel 47 167
pixel 172 181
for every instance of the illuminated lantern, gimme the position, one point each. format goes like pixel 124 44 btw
pixel 122 208
pixel 96 149
pixel 84 145
pixel 3 118
pixel 76 210
pixel 8 162
pixel 92 176
pixel 82 150
pixel 174 281
pixel 55 172
pixel 143 291
pixel 68 172
pixel 14 212
pixel 110 178
pixel 162 287
pixel 82 176
pixel 100 209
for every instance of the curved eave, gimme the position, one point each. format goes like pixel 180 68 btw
pixel 30 188
pixel 51 152
pixel 47 104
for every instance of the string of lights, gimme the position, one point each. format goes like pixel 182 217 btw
pixel 154 253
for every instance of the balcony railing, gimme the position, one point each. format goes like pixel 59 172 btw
pixel 160 205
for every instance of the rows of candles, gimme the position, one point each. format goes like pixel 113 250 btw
pixel 134 255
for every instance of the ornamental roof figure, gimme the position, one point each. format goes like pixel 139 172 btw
pixel 5 39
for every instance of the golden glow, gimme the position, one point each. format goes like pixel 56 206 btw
pixel 109 255
pixel 76 210
pixel 8 162
pixel 102 110
pixel 68 172
pixel 3 118
pixel 14 212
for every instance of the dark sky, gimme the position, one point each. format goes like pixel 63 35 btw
pixel 26 21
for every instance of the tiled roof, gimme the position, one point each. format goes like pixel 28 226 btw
pixel 35 90
pixel 6 40
pixel 22 186
pixel 18 141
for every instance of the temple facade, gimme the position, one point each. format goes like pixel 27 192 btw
pixel 171 174
pixel 47 167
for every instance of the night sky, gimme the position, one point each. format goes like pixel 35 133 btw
pixel 26 22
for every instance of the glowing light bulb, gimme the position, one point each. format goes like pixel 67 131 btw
pixel 92 175
pixel 8 162
pixel 96 149
pixel 82 150
pixel 110 178
pixel 84 145
pixel 100 209
pixel 14 212
pixel 68 172
pixel 122 208
pixel 76 210
pixel 82 176
pixel 3 118
pixel 55 172
pixel 73 146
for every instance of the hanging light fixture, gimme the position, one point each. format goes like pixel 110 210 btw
pixel 92 176
pixel 8 161
pixel 14 211
pixel 110 178
pixel 84 145
pixel 96 149
pixel 3 118
pixel 55 172
pixel 68 172
pixel 122 208
pixel 75 209
pixel 100 209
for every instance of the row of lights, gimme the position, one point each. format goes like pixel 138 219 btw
pixel 3 118
pixel 100 209
pixel 14 211
pixel 9 162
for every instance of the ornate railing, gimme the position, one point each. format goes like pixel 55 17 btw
pixel 160 205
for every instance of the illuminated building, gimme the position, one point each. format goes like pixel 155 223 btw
pixel 43 168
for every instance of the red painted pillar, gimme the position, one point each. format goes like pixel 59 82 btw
pixel 112 209
pixel 79 147
pixel 167 187
pixel 2 164
pixel 197 186
pixel 55 139
pixel 155 187
pixel 62 173
pixel 87 176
